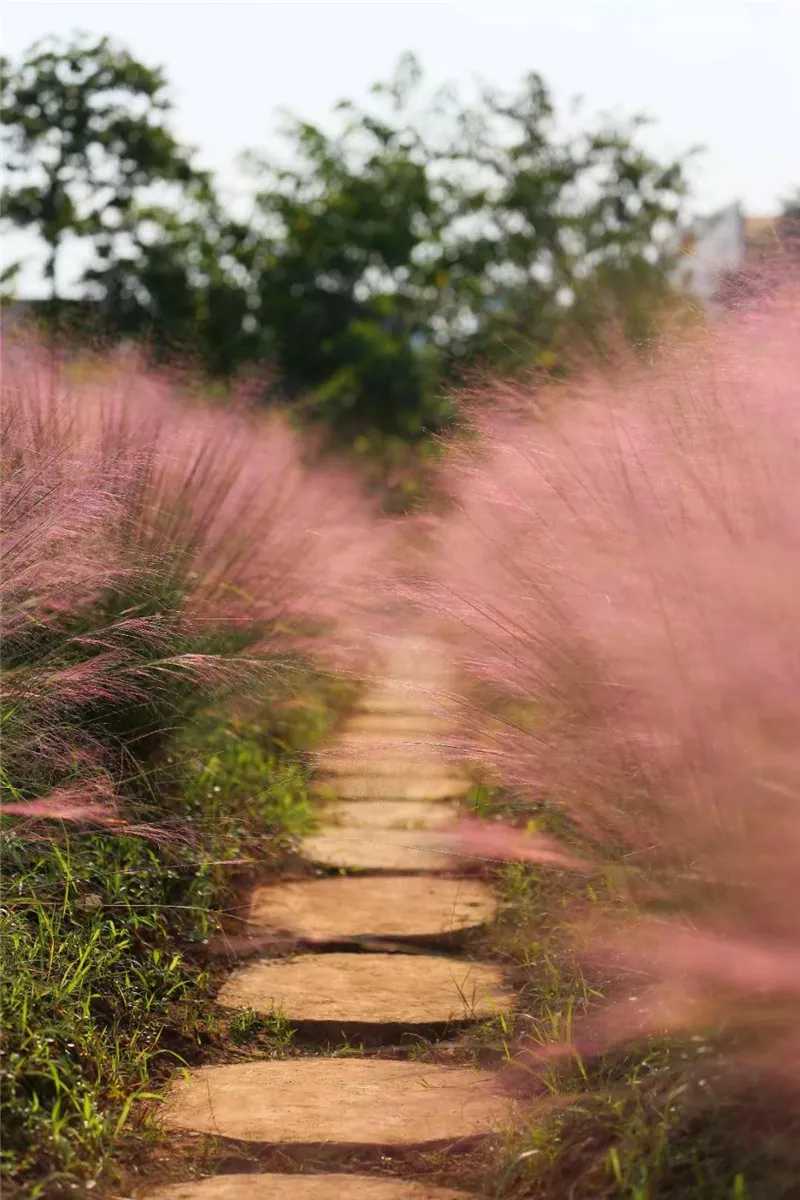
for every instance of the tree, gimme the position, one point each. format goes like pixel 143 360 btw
pixel 413 237
pixel 183 287
pixel 790 208
pixel 444 231
pixel 83 134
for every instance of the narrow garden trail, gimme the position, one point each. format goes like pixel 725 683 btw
pixel 384 878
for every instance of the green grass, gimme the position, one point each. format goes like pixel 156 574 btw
pixel 105 990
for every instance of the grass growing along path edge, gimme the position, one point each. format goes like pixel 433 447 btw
pixel 663 1118
pixel 106 986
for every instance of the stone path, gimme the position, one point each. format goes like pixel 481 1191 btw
pixel 388 801
pixel 305 1187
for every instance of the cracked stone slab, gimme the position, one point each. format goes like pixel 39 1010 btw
pixel 381 849
pixel 348 1101
pixel 380 906
pixel 390 814
pixel 376 988
pixel 406 786
pixel 303 1187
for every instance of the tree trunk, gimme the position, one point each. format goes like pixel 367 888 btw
pixel 50 271
pixel 53 304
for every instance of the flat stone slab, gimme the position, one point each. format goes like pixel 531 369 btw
pixel 390 814
pixel 383 760
pixel 381 849
pixel 381 906
pixel 409 725
pixel 303 1187
pixel 407 700
pixel 404 786
pixel 377 988
pixel 393 733
pixel 343 1100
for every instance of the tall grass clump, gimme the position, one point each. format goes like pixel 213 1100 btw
pixel 621 575
pixel 176 585
pixel 156 550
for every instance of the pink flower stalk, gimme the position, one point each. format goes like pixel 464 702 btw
pixel 140 521
pixel 264 537
pixel 620 577
pixel 493 840
pixel 92 805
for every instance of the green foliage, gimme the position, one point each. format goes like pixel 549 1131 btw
pixel 181 288
pixel 249 1026
pixel 404 242
pixel 89 956
pixel 102 989
pixel 791 206
pixel 84 135
pixel 446 231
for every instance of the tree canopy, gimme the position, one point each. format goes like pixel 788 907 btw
pixel 84 134
pixel 410 237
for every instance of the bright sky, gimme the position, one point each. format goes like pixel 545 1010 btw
pixel 720 73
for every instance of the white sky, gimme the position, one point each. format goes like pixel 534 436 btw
pixel 721 73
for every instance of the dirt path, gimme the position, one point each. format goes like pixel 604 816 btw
pixel 389 802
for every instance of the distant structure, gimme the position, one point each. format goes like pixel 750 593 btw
pixel 726 253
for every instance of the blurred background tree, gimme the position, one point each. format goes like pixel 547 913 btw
pixel 445 232
pixel 418 236
pixel 84 136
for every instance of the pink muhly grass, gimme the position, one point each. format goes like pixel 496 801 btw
pixel 91 804
pixel 621 573
pixel 152 543
pixel 219 495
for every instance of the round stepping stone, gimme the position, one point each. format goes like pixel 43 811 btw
pixel 303 1187
pixel 376 988
pixel 404 786
pixel 391 814
pixel 342 1100
pixel 388 906
pixel 381 850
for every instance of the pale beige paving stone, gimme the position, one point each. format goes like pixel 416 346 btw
pixel 417 786
pixel 400 725
pixel 360 849
pixel 403 762
pixel 411 659
pixel 303 1187
pixel 381 906
pixel 376 988
pixel 349 1101
pixel 407 701
pixel 390 814
pixel 383 731
pixel 362 755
